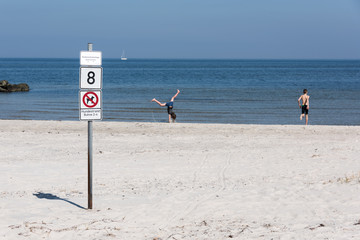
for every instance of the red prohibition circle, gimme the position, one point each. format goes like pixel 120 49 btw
pixel 86 99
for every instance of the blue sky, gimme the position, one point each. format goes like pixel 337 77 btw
pixel 241 29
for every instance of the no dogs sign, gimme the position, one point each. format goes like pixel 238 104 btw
pixel 90 105
pixel 90 99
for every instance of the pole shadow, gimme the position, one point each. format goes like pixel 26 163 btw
pixel 50 196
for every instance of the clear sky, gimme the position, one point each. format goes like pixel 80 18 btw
pixel 241 29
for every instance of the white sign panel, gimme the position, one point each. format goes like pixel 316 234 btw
pixel 90 105
pixel 90 99
pixel 91 78
pixel 90 58
pixel 90 114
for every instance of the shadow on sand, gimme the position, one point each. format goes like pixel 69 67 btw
pixel 50 196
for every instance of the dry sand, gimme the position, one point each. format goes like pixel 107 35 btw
pixel 179 181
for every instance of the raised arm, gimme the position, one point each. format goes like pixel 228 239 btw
pixel 161 104
pixel 177 93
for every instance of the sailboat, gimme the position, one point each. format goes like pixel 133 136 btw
pixel 123 57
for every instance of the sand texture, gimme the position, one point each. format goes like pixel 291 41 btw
pixel 179 181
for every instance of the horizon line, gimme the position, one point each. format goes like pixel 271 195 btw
pixel 243 59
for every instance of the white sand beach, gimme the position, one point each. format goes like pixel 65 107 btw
pixel 179 181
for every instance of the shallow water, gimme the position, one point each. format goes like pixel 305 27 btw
pixel 212 91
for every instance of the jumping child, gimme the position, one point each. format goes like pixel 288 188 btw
pixel 170 105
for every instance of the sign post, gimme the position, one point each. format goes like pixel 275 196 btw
pixel 90 165
pixel 90 101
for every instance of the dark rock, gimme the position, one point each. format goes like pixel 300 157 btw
pixel 3 83
pixel 5 86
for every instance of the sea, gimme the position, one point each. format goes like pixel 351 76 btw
pixel 211 91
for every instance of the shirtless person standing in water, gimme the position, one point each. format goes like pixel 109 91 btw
pixel 304 106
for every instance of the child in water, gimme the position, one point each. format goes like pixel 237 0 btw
pixel 170 105
pixel 304 106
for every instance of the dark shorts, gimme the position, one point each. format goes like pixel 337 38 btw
pixel 304 109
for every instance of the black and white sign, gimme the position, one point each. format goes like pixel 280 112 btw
pixel 91 78
pixel 90 58
pixel 90 114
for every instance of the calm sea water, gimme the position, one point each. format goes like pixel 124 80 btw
pixel 212 91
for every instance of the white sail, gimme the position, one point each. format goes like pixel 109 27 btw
pixel 123 57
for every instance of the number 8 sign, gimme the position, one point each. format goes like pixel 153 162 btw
pixel 91 78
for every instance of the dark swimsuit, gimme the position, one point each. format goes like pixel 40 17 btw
pixel 170 107
pixel 304 109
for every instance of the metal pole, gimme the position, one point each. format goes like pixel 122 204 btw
pixel 90 45
pixel 90 156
